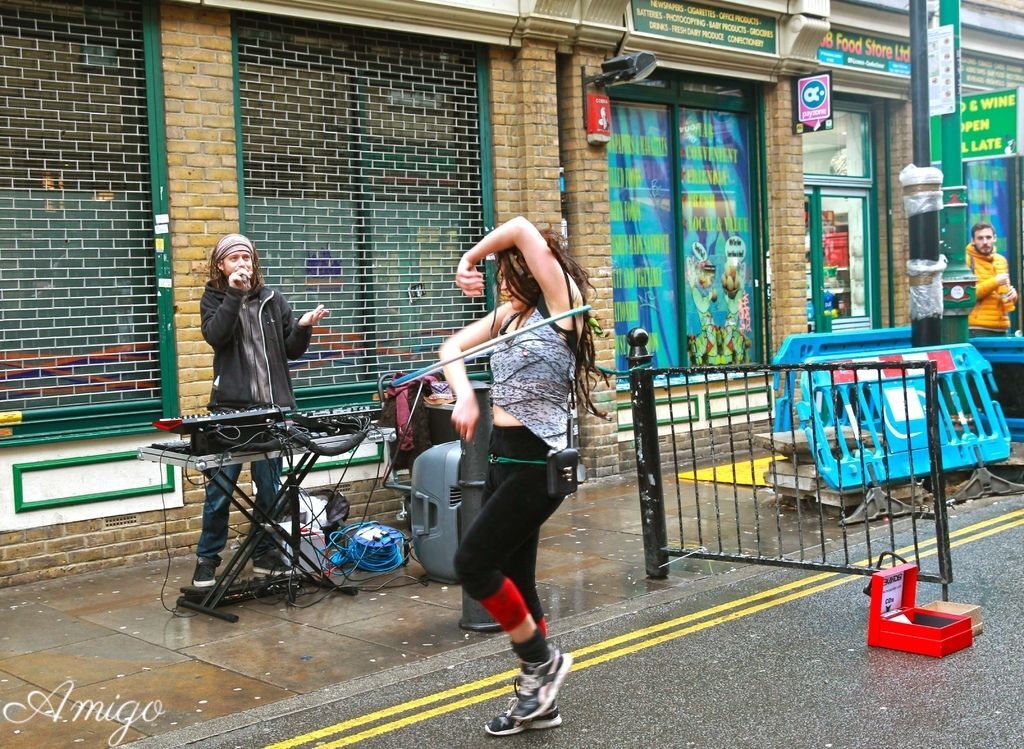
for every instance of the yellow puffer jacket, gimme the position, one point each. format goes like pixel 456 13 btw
pixel 989 311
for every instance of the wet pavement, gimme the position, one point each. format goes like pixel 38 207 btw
pixel 114 638
pixel 110 641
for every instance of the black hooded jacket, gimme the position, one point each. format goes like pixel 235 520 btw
pixel 283 339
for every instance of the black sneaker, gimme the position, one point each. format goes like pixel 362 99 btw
pixel 269 564
pixel 205 574
pixel 538 685
pixel 503 724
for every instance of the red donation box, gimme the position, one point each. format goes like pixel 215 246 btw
pixel 895 622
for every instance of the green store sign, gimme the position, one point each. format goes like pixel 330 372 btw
pixel 705 24
pixel 990 73
pixel 849 49
pixel 989 126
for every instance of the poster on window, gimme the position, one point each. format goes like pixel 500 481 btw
pixel 716 242
pixel 990 199
pixel 643 232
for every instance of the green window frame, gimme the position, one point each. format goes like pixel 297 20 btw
pixel 85 317
pixel 822 184
pixel 695 101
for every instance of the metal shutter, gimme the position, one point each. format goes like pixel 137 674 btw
pixel 78 317
pixel 361 155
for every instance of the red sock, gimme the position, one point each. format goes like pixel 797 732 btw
pixel 506 606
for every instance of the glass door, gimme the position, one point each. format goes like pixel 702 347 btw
pixel 838 268
pixel 812 237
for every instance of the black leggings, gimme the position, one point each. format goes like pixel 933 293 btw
pixel 502 541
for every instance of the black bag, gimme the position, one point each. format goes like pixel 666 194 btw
pixel 336 511
pixel 563 472
pixel 564 465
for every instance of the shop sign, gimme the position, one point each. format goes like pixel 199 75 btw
pixel 989 74
pixel 599 121
pixel 849 49
pixel 942 71
pixel 988 126
pixel 705 24
pixel 812 103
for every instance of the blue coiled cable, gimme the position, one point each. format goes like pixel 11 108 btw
pixel 367 546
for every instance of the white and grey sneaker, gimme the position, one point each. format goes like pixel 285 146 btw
pixel 537 686
pixel 503 724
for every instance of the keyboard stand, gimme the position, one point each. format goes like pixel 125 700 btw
pixel 227 590
pixel 300 565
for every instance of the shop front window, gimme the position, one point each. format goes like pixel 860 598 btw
pixel 715 200
pixel 837 239
pixel 990 198
pixel 841 151
pixel 681 232
pixel 842 262
pixel 79 317
pixel 643 231
pixel 365 207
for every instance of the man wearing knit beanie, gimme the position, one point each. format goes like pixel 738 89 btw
pixel 253 334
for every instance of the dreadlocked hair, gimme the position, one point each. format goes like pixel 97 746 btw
pixel 513 270
pixel 219 281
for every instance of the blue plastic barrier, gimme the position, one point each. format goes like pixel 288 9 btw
pixel 869 426
pixel 1006 355
pixel 797 349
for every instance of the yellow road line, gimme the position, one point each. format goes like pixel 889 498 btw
pixel 747 606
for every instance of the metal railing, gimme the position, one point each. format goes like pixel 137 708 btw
pixel 718 482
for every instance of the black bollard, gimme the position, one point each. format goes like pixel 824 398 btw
pixel 472 474
pixel 648 455
pixel 925 322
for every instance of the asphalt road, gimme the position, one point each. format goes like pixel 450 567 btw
pixel 762 657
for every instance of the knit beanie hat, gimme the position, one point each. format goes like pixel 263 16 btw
pixel 230 243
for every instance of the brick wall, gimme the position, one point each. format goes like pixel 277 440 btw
pixel 201 170
pixel 901 154
pixel 504 105
pixel 587 212
pixel 785 200
pixel 884 229
pixel 524 115
pixel 54 551
pixel 203 186
pixel 537 118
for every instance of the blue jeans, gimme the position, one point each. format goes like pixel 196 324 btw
pixel 220 483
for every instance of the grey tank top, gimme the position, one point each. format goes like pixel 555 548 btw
pixel 532 375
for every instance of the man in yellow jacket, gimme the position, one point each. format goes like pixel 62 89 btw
pixel 996 297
